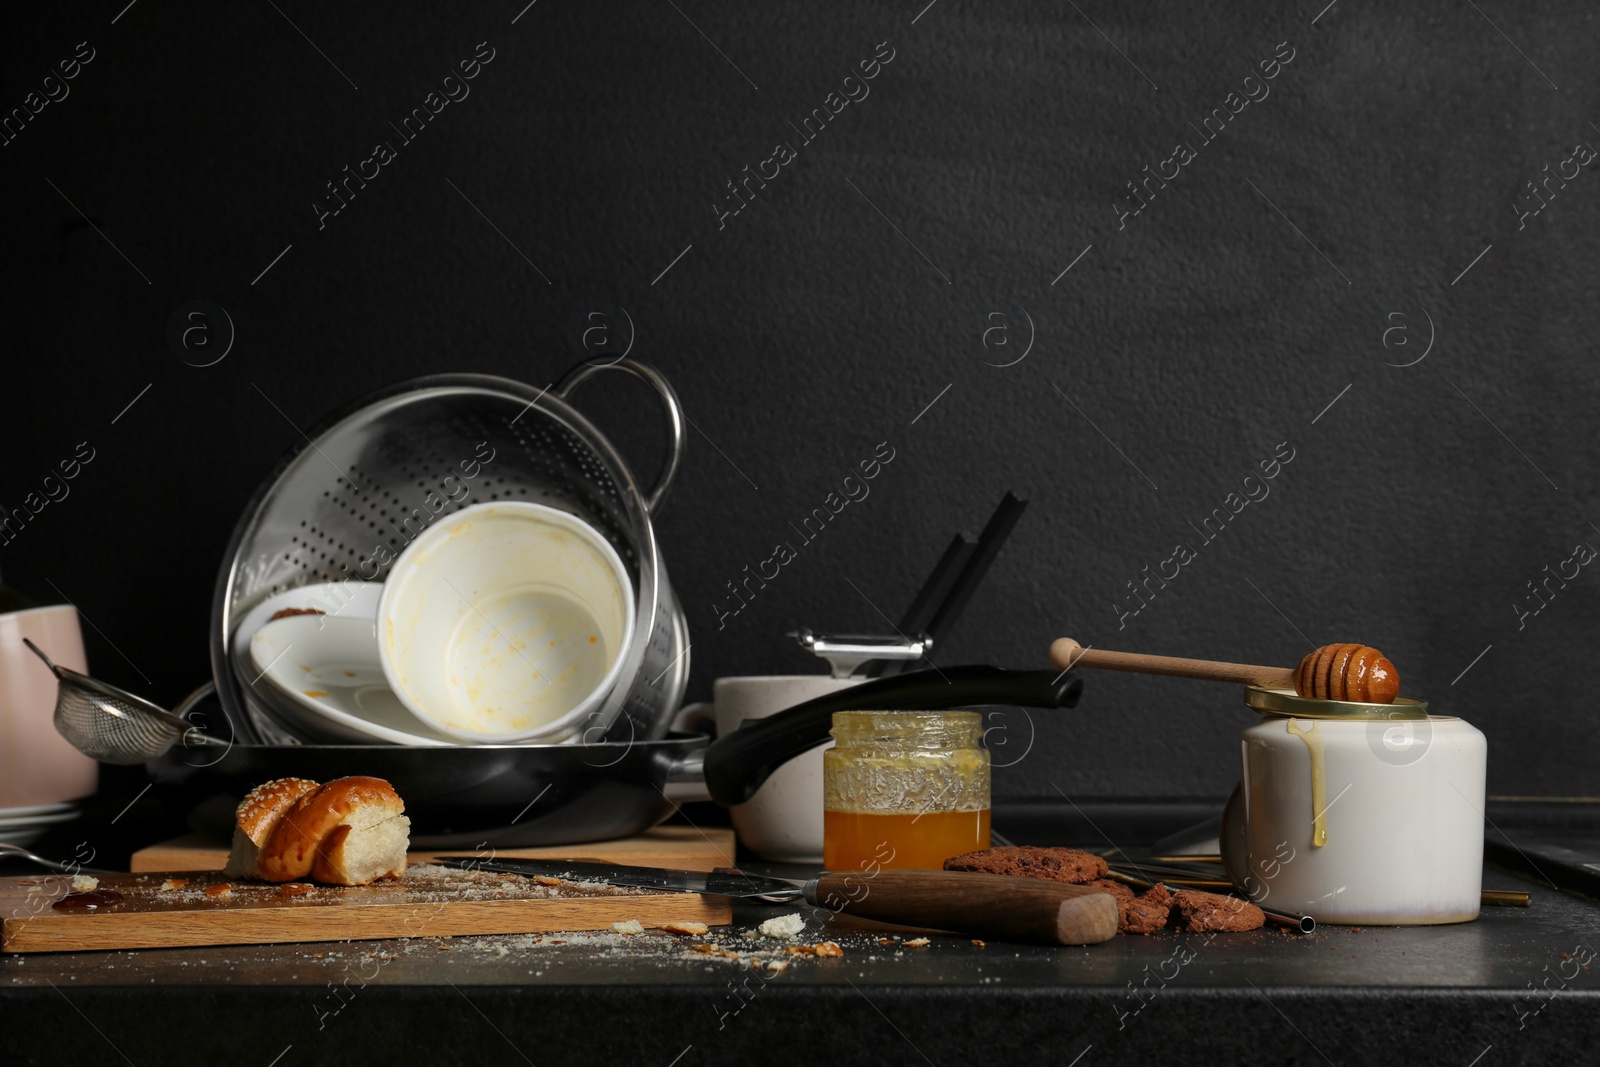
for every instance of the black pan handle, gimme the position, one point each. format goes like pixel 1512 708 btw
pixel 738 764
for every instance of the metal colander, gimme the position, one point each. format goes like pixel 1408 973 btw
pixel 342 506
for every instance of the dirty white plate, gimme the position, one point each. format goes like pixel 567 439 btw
pixel 325 672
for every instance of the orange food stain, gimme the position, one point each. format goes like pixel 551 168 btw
pixel 591 639
pixel 316 692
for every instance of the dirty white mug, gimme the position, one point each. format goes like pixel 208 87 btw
pixel 1359 821
pixel 783 821
pixel 506 622
pixel 37 765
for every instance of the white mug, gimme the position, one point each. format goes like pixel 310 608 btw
pixel 506 622
pixel 783 821
pixel 1393 835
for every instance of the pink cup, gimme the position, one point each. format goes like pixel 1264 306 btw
pixel 37 765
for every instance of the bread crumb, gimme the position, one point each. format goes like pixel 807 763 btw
pixel 544 880
pixel 632 926
pixel 221 889
pixel 83 883
pixel 172 885
pixel 980 944
pixel 687 929
pixel 917 942
pixel 778 965
pixel 788 926
pixel 829 948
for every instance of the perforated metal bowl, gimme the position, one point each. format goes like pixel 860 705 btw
pixel 370 478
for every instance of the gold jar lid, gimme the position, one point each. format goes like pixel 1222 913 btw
pixel 1291 705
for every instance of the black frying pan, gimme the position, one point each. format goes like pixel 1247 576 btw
pixel 522 795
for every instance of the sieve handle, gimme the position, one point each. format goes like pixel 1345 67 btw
pixel 677 439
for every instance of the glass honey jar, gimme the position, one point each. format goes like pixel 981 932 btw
pixel 904 789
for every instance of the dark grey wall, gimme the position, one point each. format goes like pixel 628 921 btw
pixel 1244 307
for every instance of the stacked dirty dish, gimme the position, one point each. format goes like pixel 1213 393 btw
pixel 458 560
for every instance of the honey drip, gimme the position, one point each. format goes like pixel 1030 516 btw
pixel 1315 743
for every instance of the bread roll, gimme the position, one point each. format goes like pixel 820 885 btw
pixel 257 816
pixel 350 831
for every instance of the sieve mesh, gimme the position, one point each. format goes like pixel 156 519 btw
pixel 109 729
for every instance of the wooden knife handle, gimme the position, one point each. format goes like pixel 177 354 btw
pixel 984 905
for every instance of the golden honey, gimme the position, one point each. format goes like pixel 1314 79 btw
pixel 1316 745
pixel 923 841
pixel 905 789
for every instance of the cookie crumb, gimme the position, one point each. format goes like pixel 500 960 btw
pixel 629 928
pixel 828 948
pixel 920 942
pixel 83 883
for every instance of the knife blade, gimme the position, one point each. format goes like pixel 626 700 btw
pixel 982 905
pixel 716 883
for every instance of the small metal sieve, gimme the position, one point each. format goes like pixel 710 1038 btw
pixel 112 725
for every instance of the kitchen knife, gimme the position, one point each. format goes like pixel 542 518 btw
pixel 985 905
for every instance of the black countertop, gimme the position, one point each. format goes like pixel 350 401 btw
pixel 1514 987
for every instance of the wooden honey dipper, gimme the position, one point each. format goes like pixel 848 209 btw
pixel 1333 672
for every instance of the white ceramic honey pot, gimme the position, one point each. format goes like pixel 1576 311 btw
pixel 1357 813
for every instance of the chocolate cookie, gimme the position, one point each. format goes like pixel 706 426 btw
pixel 1116 889
pixel 1214 913
pixel 1027 861
pixel 1146 914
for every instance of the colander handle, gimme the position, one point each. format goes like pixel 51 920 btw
pixel 677 439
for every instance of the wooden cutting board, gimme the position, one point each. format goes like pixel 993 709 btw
pixel 189 909
pixel 683 848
